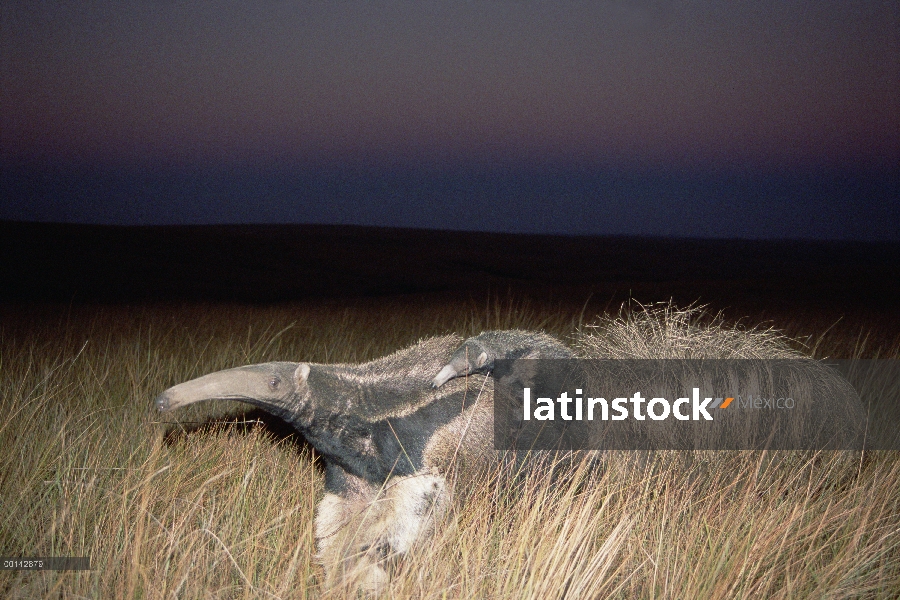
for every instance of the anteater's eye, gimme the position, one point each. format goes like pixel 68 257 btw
pixel 274 382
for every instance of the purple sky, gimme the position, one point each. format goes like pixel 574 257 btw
pixel 704 87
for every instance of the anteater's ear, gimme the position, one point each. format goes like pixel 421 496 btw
pixel 302 373
pixel 482 358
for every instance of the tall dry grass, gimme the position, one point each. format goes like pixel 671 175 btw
pixel 86 469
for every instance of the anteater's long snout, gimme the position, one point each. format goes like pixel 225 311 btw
pixel 446 374
pixel 231 384
pixel 263 384
pixel 162 402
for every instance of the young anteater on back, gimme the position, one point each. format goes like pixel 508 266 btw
pixel 477 354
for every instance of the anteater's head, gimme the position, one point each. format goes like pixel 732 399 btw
pixel 278 387
pixel 472 357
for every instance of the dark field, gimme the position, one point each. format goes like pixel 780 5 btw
pixel 278 263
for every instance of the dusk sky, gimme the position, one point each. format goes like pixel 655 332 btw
pixel 704 118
